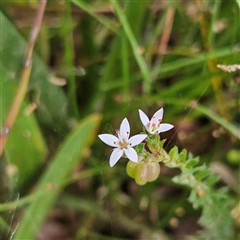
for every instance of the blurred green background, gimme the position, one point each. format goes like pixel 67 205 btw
pixel 96 62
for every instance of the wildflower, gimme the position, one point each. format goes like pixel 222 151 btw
pixel 123 146
pixel 155 125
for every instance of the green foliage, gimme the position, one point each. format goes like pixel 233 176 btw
pixel 108 54
pixel 43 91
pixel 199 179
pixel 215 204
pixel 26 148
pixel 70 153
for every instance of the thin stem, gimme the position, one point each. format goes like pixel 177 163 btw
pixel 91 11
pixel 69 58
pixel 214 15
pixel 24 79
pixel 166 31
pixel 125 66
pixel 135 46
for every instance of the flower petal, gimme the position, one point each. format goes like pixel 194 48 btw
pixel 109 139
pixel 131 154
pixel 115 156
pixel 165 127
pixel 158 114
pixel 135 140
pixel 143 117
pixel 124 129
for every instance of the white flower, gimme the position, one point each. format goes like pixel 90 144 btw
pixel 122 144
pixel 154 126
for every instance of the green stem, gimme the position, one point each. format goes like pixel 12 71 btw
pixel 17 102
pixel 135 46
pixel 69 58
pixel 89 9
pixel 125 67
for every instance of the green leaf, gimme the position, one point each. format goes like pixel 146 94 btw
pixel 90 10
pixel 193 198
pixel 221 227
pixel 182 156
pixel 202 173
pixel 173 153
pixel 25 146
pixel 211 179
pixel 153 142
pixel 191 162
pixel 182 179
pixel 49 187
pixel 160 146
pixel 172 162
pixel 52 103
pixel 233 129
pixel 140 148
pixel 134 44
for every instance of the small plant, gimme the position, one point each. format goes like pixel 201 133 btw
pixel 96 60
pixel 144 167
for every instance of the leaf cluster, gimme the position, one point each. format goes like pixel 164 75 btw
pixel 215 203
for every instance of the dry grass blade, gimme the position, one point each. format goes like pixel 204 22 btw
pixel 24 78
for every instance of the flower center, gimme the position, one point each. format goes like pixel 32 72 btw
pixel 122 144
pixel 154 124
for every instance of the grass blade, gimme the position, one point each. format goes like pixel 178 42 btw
pixel 136 49
pixel 49 186
pixel 87 8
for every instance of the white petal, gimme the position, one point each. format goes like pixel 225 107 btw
pixel 124 129
pixel 109 139
pixel 165 127
pixel 143 117
pixel 115 156
pixel 131 154
pixel 135 140
pixel 158 114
